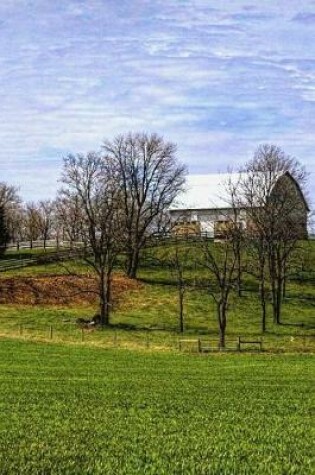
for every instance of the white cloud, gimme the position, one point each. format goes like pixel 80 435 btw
pixel 218 81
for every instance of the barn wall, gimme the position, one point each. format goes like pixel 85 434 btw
pixel 206 219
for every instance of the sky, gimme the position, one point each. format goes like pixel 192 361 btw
pixel 218 78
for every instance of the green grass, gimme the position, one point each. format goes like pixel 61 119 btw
pixel 89 411
pixel 80 403
pixel 149 317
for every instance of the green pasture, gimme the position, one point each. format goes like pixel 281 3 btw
pixel 148 316
pixel 71 410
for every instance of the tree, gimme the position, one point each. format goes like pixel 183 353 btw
pixel 10 203
pixel 235 229
pixel 46 216
pixel 4 235
pixel 8 194
pixel 219 259
pixel 32 222
pixel 150 177
pixel 69 219
pixel 271 193
pixel 91 182
pixel 176 258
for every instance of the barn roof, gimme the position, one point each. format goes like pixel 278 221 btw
pixel 206 192
pixel 212 191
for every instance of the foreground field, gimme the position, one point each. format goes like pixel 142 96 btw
pixel 81 410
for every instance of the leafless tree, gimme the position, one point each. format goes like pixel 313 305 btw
pixel 10 202
pixel 8 194
pixel 31 222
pixel 69 219
pixel 150 178
pixel 177 258
pixel 45 214
pixel 235 231
pixel 220 260
pixel 276 213
pixel 91 182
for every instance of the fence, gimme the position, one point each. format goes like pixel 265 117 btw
pixel 42 258
pixel 115 337
pixel 41 244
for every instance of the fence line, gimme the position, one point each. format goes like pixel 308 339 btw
pixel 41 244
pixel 72 333
pixel 43 258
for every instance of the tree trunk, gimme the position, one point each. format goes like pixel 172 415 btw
pixel 221 309
pixel 133 263
pixel 273 283
pixel 262 293
pixel 239 273
pixel 285 278
pixel 263 306
pixel 181 307
pixel 104 300
pixel 279 300
pixel 222 338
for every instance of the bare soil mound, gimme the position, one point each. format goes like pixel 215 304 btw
pixel 60 290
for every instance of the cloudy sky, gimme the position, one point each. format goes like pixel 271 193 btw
pixel 216 77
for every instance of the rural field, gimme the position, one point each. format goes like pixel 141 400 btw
pixel 75 410
pixel 131 398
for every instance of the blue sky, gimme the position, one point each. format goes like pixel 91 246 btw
pixel 218 78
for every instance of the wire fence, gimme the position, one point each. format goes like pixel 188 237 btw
pixel 72 333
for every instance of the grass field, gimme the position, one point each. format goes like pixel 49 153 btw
pixel 70 410
pixel 149 315
pixel 76 401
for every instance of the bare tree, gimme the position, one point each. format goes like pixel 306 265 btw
pixel 177 258
pixel 31 223
pixel 235 225
pixel 150 178
pixel 15 219
pixel 91 183
pixel 271 193
pixel 10 203
pixel 4 234
pixel 69 219
pixel 219 258
pixel 45 215
pixel 8 194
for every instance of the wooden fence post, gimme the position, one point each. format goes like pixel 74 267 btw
pixel 51 332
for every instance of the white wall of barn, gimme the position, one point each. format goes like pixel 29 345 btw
pixel 206 218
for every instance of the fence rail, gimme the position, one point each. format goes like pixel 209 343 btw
pixel 41 244
pixel 43 258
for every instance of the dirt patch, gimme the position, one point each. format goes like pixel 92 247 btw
pixel 60 290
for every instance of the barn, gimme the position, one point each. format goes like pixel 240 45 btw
pixel 206 206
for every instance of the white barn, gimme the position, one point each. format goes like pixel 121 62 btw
pixel 206 203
